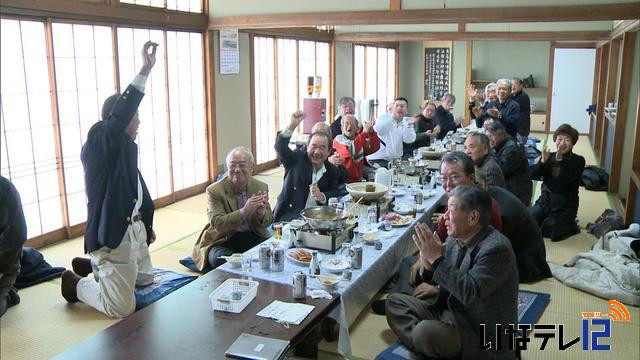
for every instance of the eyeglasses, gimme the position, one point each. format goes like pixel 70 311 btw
pixel 454 178
pixel 237 165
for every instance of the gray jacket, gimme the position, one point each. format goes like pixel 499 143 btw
pixel 483 289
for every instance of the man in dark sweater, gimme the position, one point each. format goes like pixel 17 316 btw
pixel 347 106
pixel 444 118
pixel 512 161
pixel 524 120
pixel 504 109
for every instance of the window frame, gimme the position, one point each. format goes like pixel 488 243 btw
pixel 366 47
pixel 67 230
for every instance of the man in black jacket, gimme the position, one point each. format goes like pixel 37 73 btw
pixel 119 208
pixel 524 121
pixel 504 109
pixel 309 179
pixel 512 161
pixel 13 234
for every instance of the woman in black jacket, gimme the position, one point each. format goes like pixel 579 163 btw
pixel 560 172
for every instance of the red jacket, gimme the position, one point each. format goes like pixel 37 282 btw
pixel 354 151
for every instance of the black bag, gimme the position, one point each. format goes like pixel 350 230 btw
pixel 594 178
pixel 608 221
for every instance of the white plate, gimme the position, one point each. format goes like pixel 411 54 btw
pixel 335 265
pixel 370 238
pixel 396 192
pixel 367 229
pixel 428 193
pixel 403 209
pixel 404 220
pixel 299 262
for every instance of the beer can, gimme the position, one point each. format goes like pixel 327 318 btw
pixel 299 285
pixel 418 197
pixel 264 255
pixel 346 274
pixel 277 259
pixel 356 257
pixel 378 245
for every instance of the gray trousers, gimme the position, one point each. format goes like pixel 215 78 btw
pixel 421 329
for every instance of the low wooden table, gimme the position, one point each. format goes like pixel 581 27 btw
pixel 184 325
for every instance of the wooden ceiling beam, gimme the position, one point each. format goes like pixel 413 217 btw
pixel 596 12
pixel 450 36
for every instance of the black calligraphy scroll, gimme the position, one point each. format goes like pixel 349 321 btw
pixel 436 72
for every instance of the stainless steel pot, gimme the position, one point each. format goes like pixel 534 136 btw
pixel 324 217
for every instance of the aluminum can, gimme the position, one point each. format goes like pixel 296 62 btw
pixel 346 274
pixel 277 259
pixel 264 255
pixel 378 245
pixel 418 198
pixel 356 257
pixel 314 264
pixel 299 285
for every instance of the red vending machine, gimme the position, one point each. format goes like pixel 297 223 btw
pixel 315 110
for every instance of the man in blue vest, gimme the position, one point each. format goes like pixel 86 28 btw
pixel 119 209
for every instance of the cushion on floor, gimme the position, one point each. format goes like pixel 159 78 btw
pixel 35 269
pixel 188 262
pixel 531 305
pixel 164 283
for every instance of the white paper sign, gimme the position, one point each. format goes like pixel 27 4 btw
pixel 229 52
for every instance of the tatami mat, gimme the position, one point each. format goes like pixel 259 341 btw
pixel 44 325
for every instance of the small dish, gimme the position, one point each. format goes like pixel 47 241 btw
pixel 328 281
pixel 335 265
pixel 370 239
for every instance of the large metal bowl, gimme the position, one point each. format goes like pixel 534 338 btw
pixel 324 217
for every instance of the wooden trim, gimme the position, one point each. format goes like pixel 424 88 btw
pixel 625 26
pixel 116 62
pixel 379 44
pixel 574 45
pixel 276 83
pixel 167 110
pixel 252 92
pixel 122 14
pixel 397 74
pixel 205 6
pixel 395 5
pixel 552 56
pixel 433 16
pixel 46 239
pixel 612 74
pixel 635 162
pixel 57 137
pixel 468 75
pixel 451 36
pixel 628 52
pixel 600 103
pixel 631 200
pixel 267 166
pixel 594 93
pixel 332 78
pixel 462 27
pixel 210 104
pixel 301 33
pixel 353 69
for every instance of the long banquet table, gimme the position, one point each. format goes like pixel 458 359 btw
pixel 377 267
pixel 183 325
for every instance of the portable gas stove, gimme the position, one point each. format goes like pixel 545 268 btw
pixel 330 240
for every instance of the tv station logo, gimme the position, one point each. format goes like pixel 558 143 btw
pixel 596 327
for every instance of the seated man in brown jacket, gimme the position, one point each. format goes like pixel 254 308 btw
pixel 238 211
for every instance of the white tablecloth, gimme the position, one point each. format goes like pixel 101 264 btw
pixel 377 267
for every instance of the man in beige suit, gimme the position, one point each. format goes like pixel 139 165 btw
pixel 238 211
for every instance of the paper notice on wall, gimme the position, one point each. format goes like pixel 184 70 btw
pixel 229 52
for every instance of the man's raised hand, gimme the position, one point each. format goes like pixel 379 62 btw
pixel 148 57
pixel 296 119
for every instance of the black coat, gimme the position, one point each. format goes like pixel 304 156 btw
pixel 515 168
pixel 524 120
pixel 110 160
pixel 509 115
pixel 297 178
pixel 525 236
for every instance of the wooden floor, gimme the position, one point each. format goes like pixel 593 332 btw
pixel 43 324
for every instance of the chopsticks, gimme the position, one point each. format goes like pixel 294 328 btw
pixel 354 205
